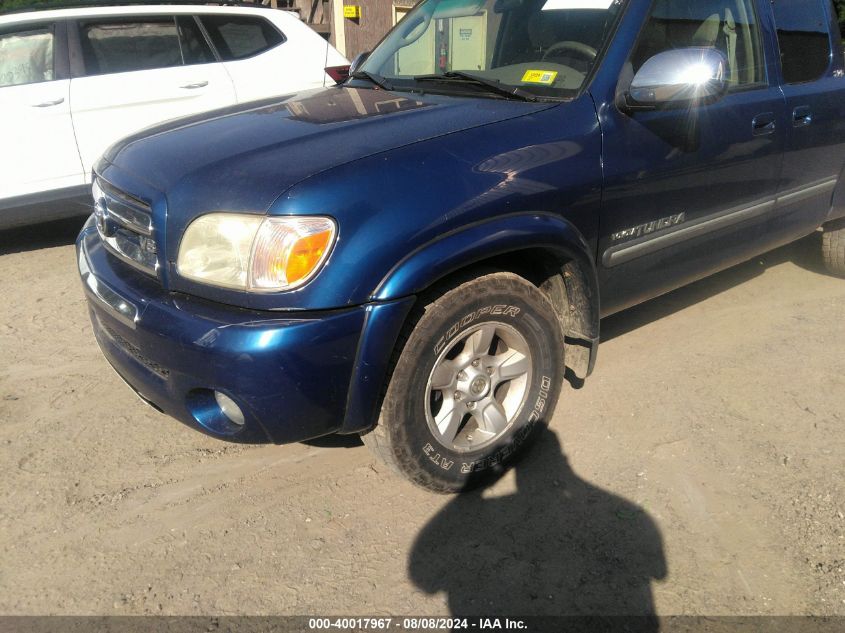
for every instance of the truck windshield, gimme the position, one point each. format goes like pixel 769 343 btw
pixel 528 48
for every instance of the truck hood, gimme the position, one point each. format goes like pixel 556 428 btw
pixel 242 158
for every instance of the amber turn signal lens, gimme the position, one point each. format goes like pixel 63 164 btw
pixel 305 254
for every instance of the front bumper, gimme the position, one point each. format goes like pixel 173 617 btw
pixel 291 374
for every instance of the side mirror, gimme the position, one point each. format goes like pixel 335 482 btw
pixel 679 78
pixel 358 61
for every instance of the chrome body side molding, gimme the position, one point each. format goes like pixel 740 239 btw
pixel 623 253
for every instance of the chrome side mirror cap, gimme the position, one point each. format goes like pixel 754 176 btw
pixel 678 78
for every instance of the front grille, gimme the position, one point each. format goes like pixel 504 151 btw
pixel 125 225
pixel 135 352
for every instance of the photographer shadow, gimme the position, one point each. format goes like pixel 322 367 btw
pixel 557 546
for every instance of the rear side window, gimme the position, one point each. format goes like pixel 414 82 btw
pixel 803 38
pixel 119 46
pixel 26 56
pixel 239 37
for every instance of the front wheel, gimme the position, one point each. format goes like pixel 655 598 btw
pixel 480 366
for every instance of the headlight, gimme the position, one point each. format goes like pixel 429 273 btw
pixel 256 253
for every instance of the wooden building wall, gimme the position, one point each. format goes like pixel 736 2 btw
pixel 376 20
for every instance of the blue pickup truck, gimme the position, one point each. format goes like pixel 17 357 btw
pixel 422 253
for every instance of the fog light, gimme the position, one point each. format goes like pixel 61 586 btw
pixel 229 408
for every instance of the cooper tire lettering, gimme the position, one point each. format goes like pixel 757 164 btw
pixel 503 310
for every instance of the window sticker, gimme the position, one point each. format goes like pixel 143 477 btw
pixel 557 5
pixel 544 77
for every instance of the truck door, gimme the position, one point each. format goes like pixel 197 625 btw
pixel 688 190
pixel 811 73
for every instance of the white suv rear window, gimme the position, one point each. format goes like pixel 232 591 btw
pixel 239 37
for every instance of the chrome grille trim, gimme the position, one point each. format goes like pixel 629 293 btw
pixel 121 309
pixel 123 196
pixel 125 226
pixel 129 217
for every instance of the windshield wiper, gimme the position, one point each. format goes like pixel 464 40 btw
pixel 373 78
pixel 494 86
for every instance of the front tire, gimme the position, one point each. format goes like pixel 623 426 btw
pixel 479 368
pixel 833 247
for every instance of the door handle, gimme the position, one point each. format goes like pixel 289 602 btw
pixel 47 104
pixel 802 116
pixel 195 85
pixel 763 124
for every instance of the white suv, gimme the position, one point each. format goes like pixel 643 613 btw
pixel 73 81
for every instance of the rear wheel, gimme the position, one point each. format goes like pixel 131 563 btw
pixel 833 247
pixel 480 367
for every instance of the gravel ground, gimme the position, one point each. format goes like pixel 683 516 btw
pixel 699 471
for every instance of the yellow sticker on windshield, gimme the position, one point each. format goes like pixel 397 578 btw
pixel 545 77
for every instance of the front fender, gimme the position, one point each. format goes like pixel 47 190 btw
pixel 574 292
pixel 468 245
pixel 456 250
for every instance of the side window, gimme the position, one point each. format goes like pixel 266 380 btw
pixel 26 56
pixel 803 38
pixel 239 37
pixel 727 25
pixel 121 45
pixel 195 50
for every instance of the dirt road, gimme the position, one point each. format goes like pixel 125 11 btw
pixel 701 469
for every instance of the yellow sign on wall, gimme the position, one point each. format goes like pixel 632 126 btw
pixel 351 11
